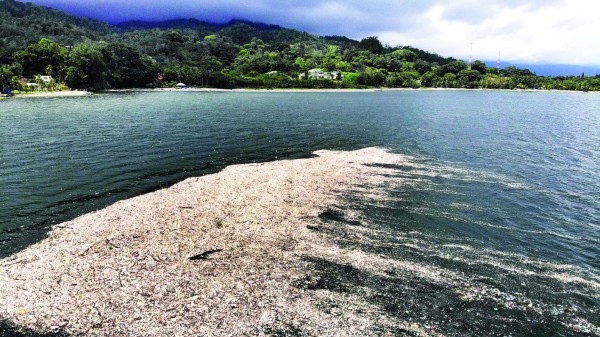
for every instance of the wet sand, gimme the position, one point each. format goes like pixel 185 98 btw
pixel 223 254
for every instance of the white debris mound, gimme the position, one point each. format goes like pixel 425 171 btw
pixel 126 270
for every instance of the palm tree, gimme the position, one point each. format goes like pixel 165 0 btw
pixel 40 82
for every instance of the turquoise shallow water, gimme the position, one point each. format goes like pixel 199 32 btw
pixel 513 176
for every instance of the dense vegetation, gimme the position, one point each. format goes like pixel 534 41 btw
pixel 88 54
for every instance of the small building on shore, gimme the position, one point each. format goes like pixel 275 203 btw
pixel 320 74
pixel 33 83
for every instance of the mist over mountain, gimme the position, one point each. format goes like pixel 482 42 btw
pixel 557 69
pixel 192 24
pixel 549 69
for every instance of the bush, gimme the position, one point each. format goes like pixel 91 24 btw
pixel 405 79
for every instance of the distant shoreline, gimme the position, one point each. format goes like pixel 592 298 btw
pixel 325 90
pixel 75 93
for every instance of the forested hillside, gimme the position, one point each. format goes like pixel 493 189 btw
pixel 23 24
pixel 88 54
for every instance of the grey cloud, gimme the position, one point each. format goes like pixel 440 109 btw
pixel 353 17
pixel 311 14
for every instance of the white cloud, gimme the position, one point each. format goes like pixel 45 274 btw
pixel 561 32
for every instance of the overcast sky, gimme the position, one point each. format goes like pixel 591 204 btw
pixel 533 31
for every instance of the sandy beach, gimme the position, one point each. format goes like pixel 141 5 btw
pixel 226 254
pixel 50 94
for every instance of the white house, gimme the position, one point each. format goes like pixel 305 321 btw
pixel 320 74
pixel 31 83
pixel 316 73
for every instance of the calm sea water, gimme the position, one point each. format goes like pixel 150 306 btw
pixel 501 181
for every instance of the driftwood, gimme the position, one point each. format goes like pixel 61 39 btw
pixel 205 255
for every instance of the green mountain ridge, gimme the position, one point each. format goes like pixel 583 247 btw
pixel 22 24
pixel 90 54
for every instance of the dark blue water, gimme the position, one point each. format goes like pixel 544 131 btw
pixel 513 175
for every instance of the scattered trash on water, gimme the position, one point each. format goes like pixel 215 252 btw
pixel 486 293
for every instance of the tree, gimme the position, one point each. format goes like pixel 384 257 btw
pixel 15 84
pixel 429 79
pixel 479 66
pixel 453 67
pixel 493 81
pixel 332 59
pixel 38 80
pixel 406 79
pixel 468 78
pixel 404 55
pixel 372 77
pixel 51 85
pixel 6 76
pixel 209 66
pixel 302 65
pixel 371 44
pixel 422 66
pixel 88 69
pixel 448 81
pixel 221 47
pixel 35 58
pixel 127 67
pixel 76 79
pixel 522 78
pixel 49 70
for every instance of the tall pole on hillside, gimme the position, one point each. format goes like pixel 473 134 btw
pixel 471 57
pixel 498 63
